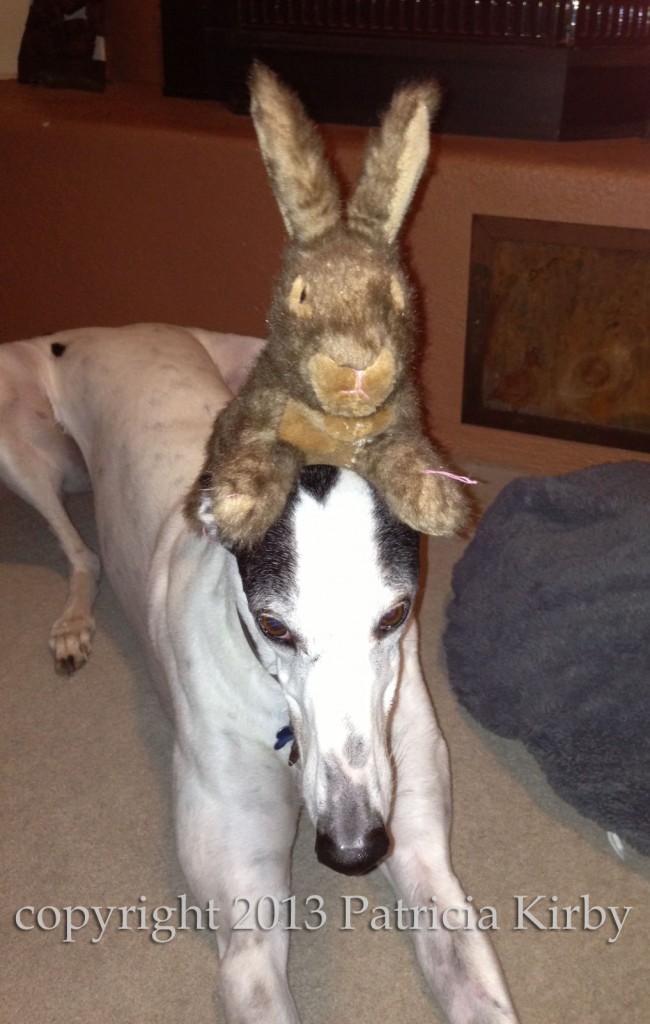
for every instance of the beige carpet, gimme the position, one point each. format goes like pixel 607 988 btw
pixel 86 821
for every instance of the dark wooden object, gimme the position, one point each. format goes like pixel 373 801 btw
pixel 510 68
pixel 63 45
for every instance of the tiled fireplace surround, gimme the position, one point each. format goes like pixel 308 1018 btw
pixel 128 206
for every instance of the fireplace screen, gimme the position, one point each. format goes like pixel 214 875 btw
pixel 560 21
pixel 547 69
pixel 558 336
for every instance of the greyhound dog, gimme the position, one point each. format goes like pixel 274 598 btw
pixel 308 637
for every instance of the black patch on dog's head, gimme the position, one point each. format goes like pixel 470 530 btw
pixel 57 348
pixel 399 547
pixel 318 481
pixel 269 567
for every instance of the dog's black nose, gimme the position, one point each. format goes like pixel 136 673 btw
pixel 355 858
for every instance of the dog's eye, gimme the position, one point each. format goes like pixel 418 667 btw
pixel 274 629
pixel 394 618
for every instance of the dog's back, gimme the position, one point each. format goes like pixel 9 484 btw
pixel 128 410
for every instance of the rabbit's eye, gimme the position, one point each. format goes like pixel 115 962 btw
pixel 299 297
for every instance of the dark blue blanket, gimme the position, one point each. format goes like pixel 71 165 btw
pixel 548 635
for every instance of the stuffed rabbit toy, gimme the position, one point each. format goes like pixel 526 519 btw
pixel 333 384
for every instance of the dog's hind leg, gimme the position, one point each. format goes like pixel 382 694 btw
pixel 235 829
pixel 38 462
pixel 456 957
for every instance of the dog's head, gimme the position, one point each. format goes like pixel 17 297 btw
pixel 330 590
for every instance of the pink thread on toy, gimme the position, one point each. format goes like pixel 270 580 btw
pixel 452 476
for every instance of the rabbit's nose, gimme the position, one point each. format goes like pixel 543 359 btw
pixel 358 386
pixel 348 390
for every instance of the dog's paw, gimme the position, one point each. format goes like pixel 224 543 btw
pixel 70 642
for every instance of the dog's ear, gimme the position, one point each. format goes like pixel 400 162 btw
pixel 292 150
pixel 395 159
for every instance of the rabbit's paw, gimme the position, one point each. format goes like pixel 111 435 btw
pixel 409 476
pixel 250 492
pixel 243 517
pixel 439 505
pixel 428 505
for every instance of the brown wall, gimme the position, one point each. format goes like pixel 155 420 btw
pixel 129 207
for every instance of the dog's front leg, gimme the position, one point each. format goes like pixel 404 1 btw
pixel 235 831
pixel 38 462
pixel 455 956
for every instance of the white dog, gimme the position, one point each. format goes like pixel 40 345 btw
pixel 308 637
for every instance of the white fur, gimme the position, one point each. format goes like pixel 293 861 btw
pixel 138 403
pixel 343 681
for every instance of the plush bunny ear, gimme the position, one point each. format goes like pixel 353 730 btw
pixel 302 182
pixel 394 162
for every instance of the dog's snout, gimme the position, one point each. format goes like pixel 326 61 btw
pixel 354 858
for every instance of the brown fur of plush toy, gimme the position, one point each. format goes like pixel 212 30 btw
pixel 334 383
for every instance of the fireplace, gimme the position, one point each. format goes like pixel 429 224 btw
pixel 546 69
